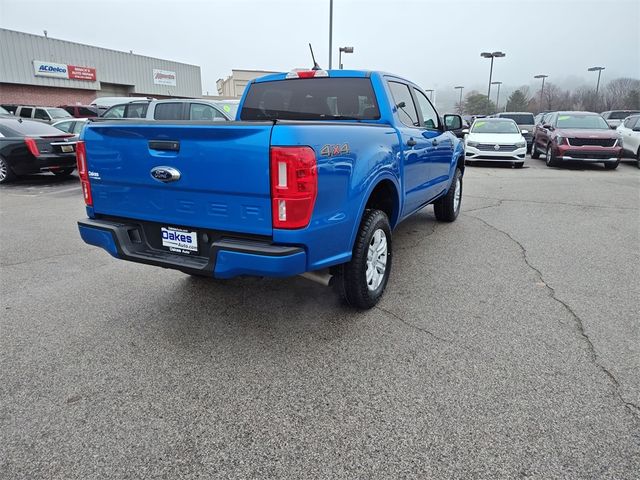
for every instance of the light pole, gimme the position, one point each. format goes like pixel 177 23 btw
pixel 430 92
pixel 459 87
pixel 542 89
pixel 599 70
pixel 498 97
pixel 343 50
pixel 491 56
pixel 330 31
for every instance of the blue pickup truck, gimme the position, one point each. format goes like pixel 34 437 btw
pixel 310 179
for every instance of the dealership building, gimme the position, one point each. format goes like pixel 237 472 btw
pixel 38 70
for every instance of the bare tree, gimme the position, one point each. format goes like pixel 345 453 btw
pixel 551 96
pixel 618 91
pixel 583 98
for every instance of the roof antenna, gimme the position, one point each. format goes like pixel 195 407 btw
pixel 315 64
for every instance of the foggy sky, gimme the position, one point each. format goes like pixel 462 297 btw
pixel 437 44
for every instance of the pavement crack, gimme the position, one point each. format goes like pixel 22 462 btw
pixel 413 326
pixel 630 406
pixel 39 259
pixel 567 204
pixel 495 205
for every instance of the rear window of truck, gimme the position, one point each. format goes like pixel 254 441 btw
pixel 311 99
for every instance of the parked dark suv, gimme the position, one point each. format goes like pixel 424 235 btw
pixel 81 111
pixel 525 123
pixel 580 136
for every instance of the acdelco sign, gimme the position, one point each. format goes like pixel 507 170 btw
pixel 60 70
pixel 48 69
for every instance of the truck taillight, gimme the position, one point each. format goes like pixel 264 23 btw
pixel 294 186
pixel 32 146
pixel 81 159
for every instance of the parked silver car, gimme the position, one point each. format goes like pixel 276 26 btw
pixel 175 109
pixel 615 117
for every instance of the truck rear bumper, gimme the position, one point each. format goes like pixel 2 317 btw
pixel 227 257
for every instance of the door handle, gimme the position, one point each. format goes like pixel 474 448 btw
pixel 411 143
pixel 168 145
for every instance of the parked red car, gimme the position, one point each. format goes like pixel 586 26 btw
pixel 81 111
pixel 576 136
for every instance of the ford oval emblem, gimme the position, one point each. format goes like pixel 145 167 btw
pixel 165 174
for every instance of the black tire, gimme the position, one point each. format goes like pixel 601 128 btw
pixel 351 278
pixel 63 172
pixel 638 158
pixel 446 208
pixel 611 165
pixel 535 154
pixel 6 174
pixel 550 158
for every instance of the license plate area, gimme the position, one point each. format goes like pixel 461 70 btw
pixel 66 148
pixel 179 240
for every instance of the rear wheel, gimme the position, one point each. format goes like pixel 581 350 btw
pixel 361 282
pixel 611 165
pixel 638 158
pixel 63 172
pixel 534 151
pixel 6 174
pixel 551 159
pixel 447 208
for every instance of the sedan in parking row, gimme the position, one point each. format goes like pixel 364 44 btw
pixel 496 140
pixel 27 146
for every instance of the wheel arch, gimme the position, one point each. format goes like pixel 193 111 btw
pixel 384 195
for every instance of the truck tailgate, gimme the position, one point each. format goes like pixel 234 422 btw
pixel 223 171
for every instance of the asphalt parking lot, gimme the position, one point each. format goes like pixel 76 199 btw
pixel 507 346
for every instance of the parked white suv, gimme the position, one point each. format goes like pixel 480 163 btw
pixel 42 114
pixel 174 109
pixel 629 131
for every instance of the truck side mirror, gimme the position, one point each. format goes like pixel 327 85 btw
pixel 452 122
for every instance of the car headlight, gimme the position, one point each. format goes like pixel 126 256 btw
pixel 521 144
pixel 559 140
pixel 472 144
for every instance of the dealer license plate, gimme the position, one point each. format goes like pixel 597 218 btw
pixel 179 240
pixel 66 148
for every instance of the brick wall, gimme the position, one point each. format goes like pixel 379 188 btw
pixel 44 96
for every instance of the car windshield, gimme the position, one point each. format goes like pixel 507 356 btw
pixel 230 108
pixel 593 122
pixel 519 118
pixel 621 115
pixel 311 99
pixel 495 126
pixel 58 113
pixel 31 128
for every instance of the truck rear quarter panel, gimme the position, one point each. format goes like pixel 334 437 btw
pixel 352 159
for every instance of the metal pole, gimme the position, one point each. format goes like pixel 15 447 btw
pixel 340 60
pixel 330 31
pixel 597 88
pixel 460 102
pixel 489 90
pixel 498 99
pixel 541 92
